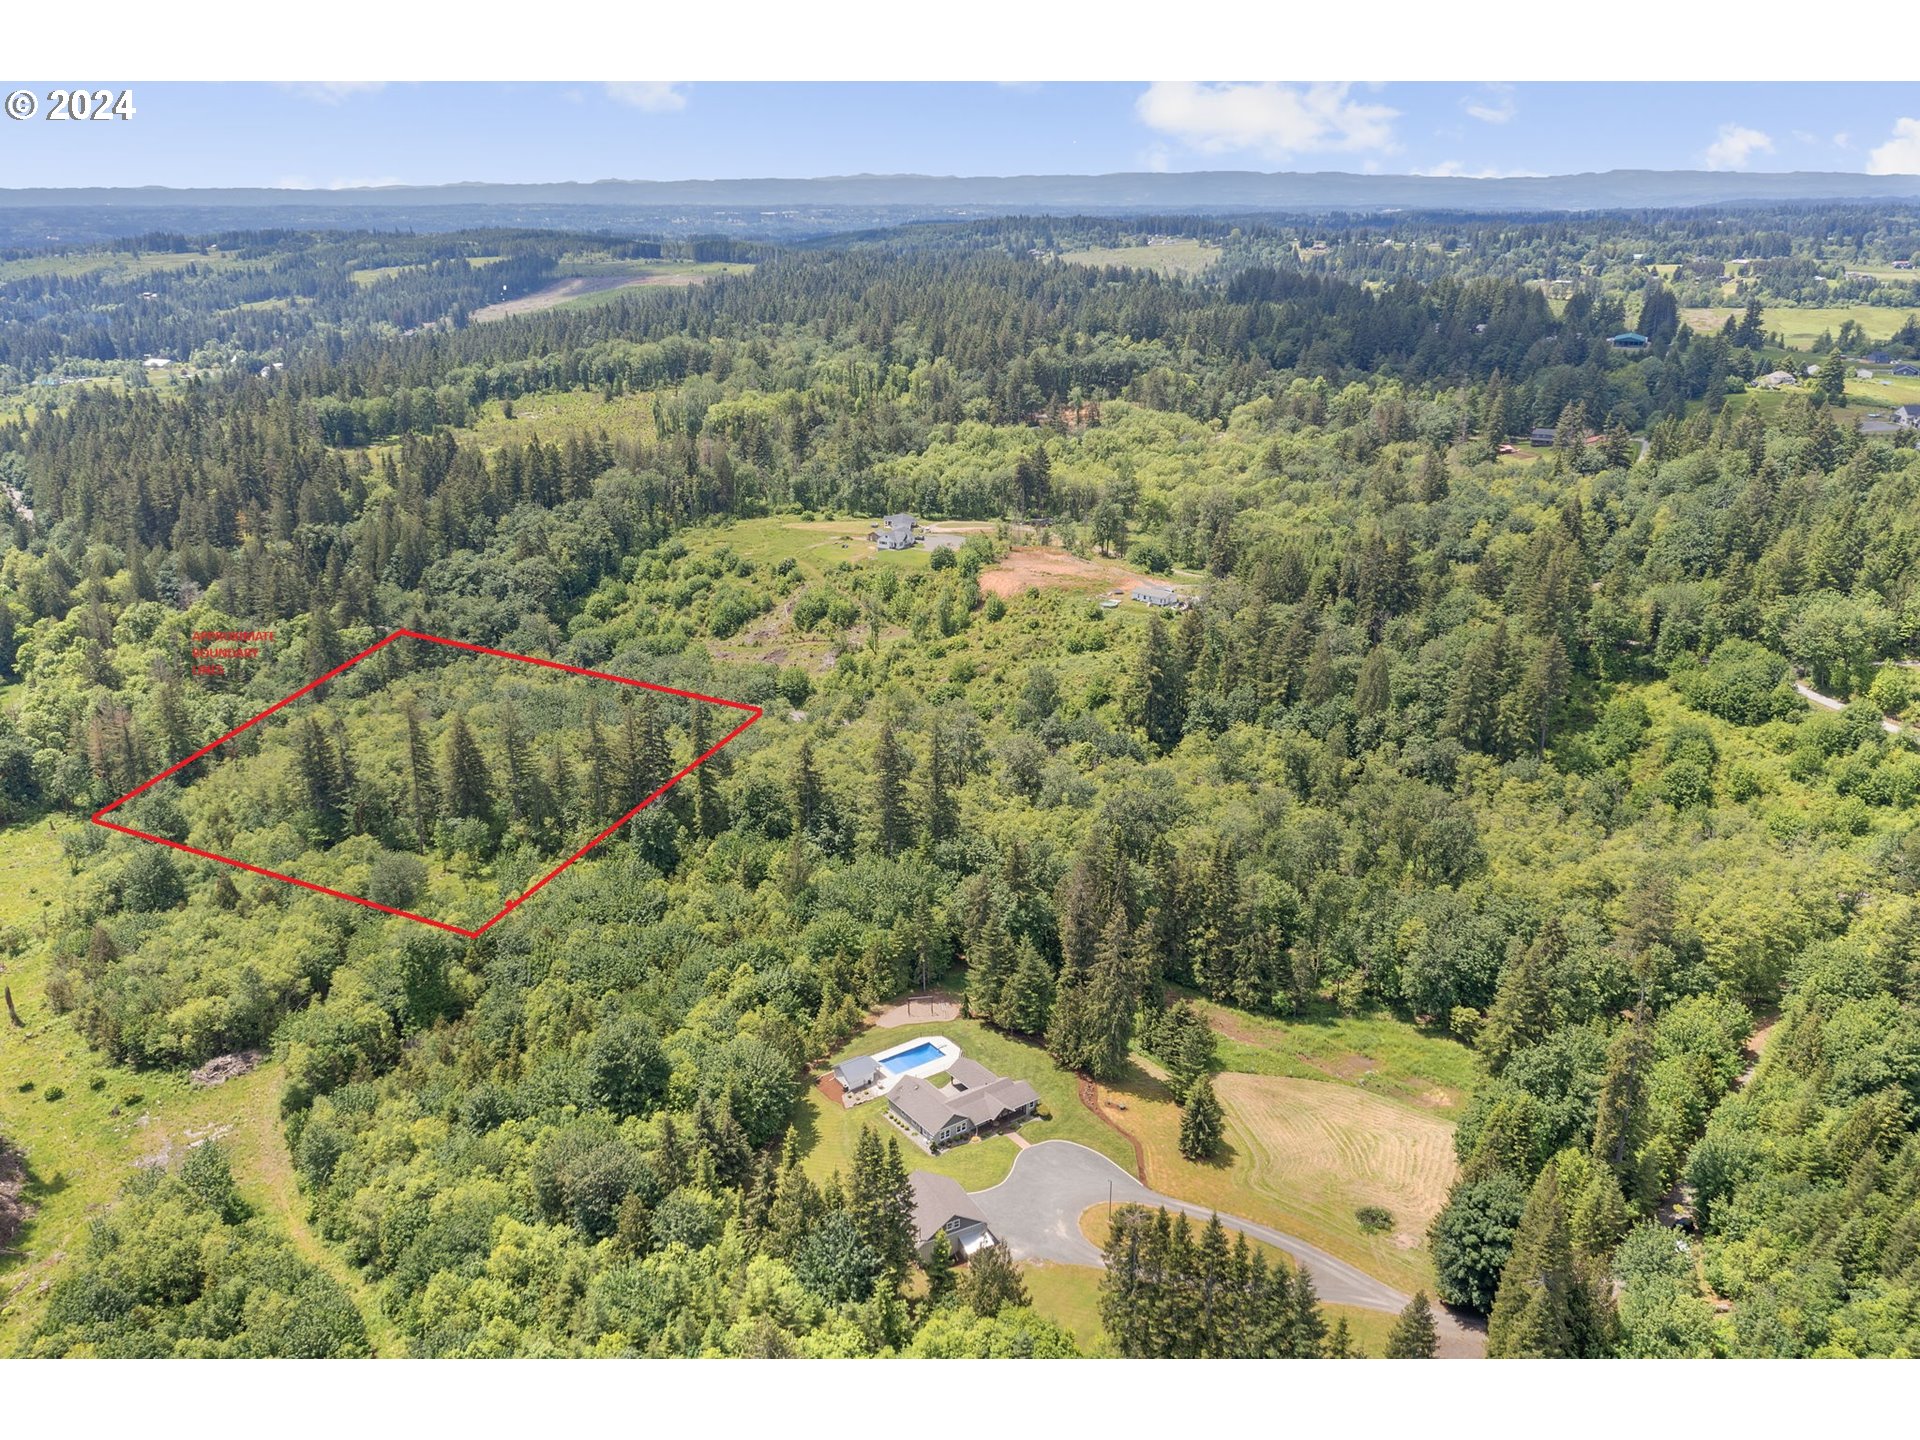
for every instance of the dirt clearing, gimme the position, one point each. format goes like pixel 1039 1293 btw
pixel 1050 569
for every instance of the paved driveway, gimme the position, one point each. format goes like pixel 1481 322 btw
pixel 1037 1211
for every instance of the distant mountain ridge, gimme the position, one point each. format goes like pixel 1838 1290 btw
pixel 1143 191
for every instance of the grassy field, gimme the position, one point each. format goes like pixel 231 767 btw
pixel 1802 325
pixel 119 264
pixel 828 1131
pixel 1177 257
pixel 1374 1053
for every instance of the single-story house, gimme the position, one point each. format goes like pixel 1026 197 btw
pixel 156 362
pixel 1540 437
pixel 1906 370
pixel 1774 379
pixel 1903 264
pixel 923 1111
pixel 1157 595
pixel 1628 340
pixel 1879 357
pixel 1907 417
pixel 1863 374
pixel 974 1099
pixel 940 1205
pixel 895 532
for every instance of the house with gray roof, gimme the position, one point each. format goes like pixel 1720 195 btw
pixel 974 1100
pixel 1907 417
pixel 895 532
pixel 941 1206
pixel 923 1112
pixel 857 1074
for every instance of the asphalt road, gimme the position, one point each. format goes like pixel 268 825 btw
pixel 1036 1210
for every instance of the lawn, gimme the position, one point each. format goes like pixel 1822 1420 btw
pixel 1802 325
pixel 828 1131
pixel 1069 1296
pixel 1176 257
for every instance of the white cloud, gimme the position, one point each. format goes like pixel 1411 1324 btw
pixel 1843 140
pixel 1275 120
pixel 307 182
pixel 332 92
pixel 651 95
pixel 1736 146
pixel 1901 154
pixel 1805 137
pixel 1494 104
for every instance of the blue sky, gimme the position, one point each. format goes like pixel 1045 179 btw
pixel 318 135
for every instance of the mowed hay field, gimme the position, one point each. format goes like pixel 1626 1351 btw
pixel 1325 1150
pixel 1321 1119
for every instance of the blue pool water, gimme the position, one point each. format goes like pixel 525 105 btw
pixel 906 1060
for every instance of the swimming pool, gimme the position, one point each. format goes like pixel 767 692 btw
pixel 908 1059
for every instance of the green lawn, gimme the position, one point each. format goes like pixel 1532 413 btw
pixel 828 1131
pixel 1377 1053
pixel 1069 1296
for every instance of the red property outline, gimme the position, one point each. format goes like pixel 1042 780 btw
pixel 753 713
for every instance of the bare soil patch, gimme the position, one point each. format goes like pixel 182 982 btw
pixel 1051 569
pixel 917 1009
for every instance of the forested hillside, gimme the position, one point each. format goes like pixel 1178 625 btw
pixel 1501 748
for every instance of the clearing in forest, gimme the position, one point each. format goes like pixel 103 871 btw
pixel 1046 568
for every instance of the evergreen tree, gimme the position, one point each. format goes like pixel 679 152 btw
pixel 1621 1121
pixel 469 785
pixel 942 805
pixel 1027 998
pixel 1831 383
pixel 1548 1305
pixel 319 770
pixel 992 1282
pixel 425 782
pixel 803 790
pixel 890 791
pixel 1414 1335
pixel 1153 695
pixel 939 1268
pixel 1523 1006
pixel 324 651
pixel 1201 1122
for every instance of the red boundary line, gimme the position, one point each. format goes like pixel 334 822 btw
pixel 753 713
